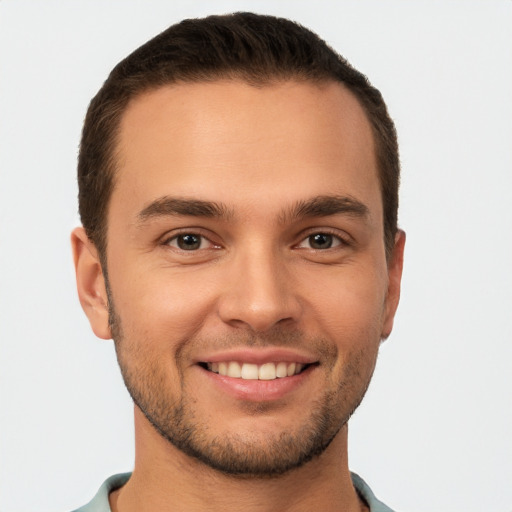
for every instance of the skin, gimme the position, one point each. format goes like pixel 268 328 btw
pixel 256 283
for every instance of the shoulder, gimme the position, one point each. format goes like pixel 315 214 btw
pixel 363 489
pixel 100 501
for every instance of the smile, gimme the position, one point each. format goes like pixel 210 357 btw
pixel 250 371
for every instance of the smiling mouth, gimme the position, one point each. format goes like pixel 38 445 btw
pixel 249 371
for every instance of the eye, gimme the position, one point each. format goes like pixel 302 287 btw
pixel 189 242
pixel 320 241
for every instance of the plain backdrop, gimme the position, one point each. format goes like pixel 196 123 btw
pixel 435 430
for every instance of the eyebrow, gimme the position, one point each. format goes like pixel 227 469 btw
pixel 324 206
pixel 318 206
pixel 172 206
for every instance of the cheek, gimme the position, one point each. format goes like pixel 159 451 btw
pixel 160 307
pixel 158 317
pixel 351 319
pixel 349 303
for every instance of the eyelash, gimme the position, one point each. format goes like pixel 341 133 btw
pixel 338 240
pixel 202 238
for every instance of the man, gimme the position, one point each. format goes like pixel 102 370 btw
pixel 238 193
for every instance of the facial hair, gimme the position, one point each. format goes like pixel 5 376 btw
pixel 240 454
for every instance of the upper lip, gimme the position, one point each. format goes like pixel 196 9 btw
pixel 257 356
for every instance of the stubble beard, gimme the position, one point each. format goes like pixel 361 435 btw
pixel 236 454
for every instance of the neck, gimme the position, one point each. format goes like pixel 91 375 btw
pixel 165 479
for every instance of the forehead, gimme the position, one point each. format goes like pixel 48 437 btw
pixel 228 140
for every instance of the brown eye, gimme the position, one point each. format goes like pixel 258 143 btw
pixel 187 242
pixel 321 241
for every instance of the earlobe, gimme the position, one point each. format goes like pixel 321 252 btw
pixel 90 282
pixel 395 267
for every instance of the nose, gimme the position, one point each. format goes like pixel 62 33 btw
pixel 259 293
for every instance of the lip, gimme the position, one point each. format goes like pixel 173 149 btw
pixel 257 390
pixel 257 356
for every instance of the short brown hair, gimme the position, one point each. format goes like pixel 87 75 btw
pixel 254 48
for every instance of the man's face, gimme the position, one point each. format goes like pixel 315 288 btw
pixel 247 271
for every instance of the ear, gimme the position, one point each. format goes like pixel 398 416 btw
pixel 395 267
pixel 90 283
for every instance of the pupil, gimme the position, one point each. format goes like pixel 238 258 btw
pixel 189 242
pixel 320 241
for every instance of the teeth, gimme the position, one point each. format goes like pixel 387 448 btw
pixel 281 370
pixel 248 371
pixel 223 368
pixel 234 370
pixel 267 371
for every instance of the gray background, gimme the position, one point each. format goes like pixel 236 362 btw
pixel 434 432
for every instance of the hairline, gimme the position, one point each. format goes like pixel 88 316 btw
pixel 114 157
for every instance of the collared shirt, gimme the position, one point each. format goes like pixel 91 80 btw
pixel 100 502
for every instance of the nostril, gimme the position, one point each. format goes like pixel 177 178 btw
pixel 259 302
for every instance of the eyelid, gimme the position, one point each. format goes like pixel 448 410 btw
pixel 343 238
pixel 199 232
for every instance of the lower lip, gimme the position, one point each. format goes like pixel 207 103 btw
pixel 258 390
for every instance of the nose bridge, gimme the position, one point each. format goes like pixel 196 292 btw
pixel 258 293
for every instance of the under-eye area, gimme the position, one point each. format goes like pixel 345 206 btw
pixel 250 371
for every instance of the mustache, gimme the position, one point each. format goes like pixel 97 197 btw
pixel 277 337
